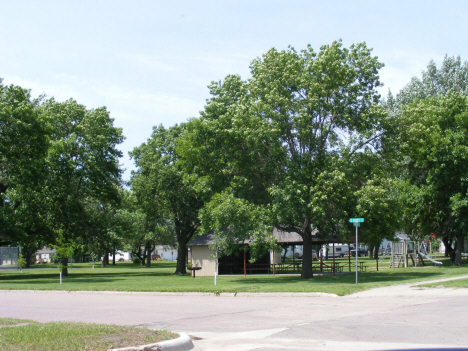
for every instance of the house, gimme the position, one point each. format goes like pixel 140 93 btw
pixel 120 256
pixel 201 255
pixel 166 252
pixel 45 254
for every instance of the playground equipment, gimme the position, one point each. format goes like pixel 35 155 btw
pixel 414 250
pixel 426 253
pixel 383 255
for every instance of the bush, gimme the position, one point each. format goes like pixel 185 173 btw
pixel 136 260
pixel 21 261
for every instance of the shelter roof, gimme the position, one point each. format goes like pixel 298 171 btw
pixel 206 239
pixel 284 237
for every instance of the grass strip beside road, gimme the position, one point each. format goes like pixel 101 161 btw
pixel 19 335
pixel 455 284
pixel 160 278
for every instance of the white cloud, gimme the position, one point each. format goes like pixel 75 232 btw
pixel 136 110
pixel 94 93
pixel 401 65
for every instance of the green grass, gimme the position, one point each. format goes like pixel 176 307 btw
pixel 128 277
pixel 459 283
pixel 28 335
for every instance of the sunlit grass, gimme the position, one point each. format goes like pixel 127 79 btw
pixel 27 335
pixel 459 283
pixel 160 278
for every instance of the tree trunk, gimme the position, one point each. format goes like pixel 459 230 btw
pixel 376 255
pixel 181 257
pixel 148 255
pixel 459 250
pixel 448 246
pixel 113 258
pixel 28 258
pixel 103 263
pixel 307 271
pixel 64 266
pixel 285 253
pixel 143 258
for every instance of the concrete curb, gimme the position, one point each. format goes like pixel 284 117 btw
pixel 182 343
pixel 285 294
pixel 155 293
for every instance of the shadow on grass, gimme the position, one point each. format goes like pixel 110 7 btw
pixel 107 276
pixel 374 277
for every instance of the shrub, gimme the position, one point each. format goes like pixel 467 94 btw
pixel 136 260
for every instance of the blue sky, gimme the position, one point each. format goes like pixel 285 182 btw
pixel 149 62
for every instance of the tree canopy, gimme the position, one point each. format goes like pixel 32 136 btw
pixel 164 195
pixel 278 139
pixel 58 164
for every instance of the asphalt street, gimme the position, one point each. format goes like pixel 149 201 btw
pixel 398 317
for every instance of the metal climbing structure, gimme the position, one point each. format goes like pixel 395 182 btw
pixel 406 250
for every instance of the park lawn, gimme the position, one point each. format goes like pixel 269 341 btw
pixel 21 335
pixel 160 278
pixel 459 283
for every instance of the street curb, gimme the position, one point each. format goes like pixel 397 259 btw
pixel 155 293
pixel 182 343
pixel 285 294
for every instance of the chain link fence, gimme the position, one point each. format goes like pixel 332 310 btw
pixel 9 257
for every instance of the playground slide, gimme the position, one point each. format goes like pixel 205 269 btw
pixel 423 254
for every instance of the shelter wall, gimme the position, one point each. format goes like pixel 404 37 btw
pixel 201 258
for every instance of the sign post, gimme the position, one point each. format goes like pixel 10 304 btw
pixel 356 222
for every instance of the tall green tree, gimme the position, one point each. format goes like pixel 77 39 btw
pixel 434 136
pixel 168 200
pixel 82 165
pixel 451 76
pixel 23 148
pixel 275 139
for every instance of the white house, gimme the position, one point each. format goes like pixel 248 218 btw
pixel 121 256
pixel 166 252
pixel 44 255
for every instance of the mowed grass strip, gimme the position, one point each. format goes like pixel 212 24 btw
pixel 455 284
pixel 6 322
pixel 16 335
pixel 161 278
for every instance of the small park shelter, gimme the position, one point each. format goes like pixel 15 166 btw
pixel 201 255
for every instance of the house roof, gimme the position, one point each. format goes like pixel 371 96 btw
pixel 46 250
pixel 402 236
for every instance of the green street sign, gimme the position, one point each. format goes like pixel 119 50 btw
pixel 356 220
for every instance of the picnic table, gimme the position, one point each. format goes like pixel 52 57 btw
pixel 194 269
pixel 361 266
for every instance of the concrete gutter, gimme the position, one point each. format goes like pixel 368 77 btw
pixel 182 343
pixel 187 293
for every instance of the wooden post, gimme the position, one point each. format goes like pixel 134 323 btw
pixel 349 257
pixel 321 259
pixel 191 272
pixel 334 271
pixel 376 252
pixel 405 254
pixel 274 262
pixel 245 268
